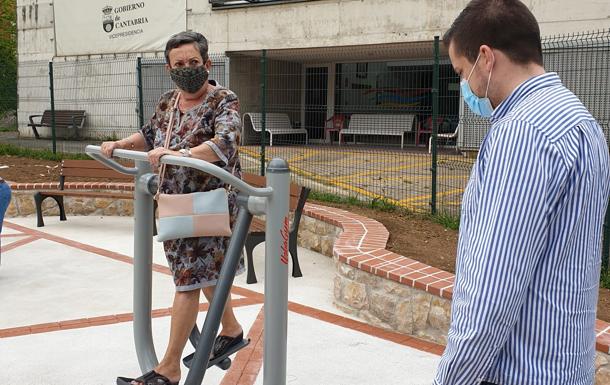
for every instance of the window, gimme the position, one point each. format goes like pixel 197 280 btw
pixel 218 4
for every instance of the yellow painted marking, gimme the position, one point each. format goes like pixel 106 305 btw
pixel 427 196
pixel 304 156
pixel 349 187
pixel 377 172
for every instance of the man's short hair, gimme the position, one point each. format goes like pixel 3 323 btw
pixel 506 25
pixel 187 37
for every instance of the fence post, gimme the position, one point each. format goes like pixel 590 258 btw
pixel 606 243
pixel 263 108
pixel 52 92
pixel 435 90
pixel 140 93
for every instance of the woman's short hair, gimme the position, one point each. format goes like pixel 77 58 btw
pixel 506 25
pixel 187 37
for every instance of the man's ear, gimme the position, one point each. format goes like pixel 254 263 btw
pixel 487 57
pixel 208 64
pixel 167 67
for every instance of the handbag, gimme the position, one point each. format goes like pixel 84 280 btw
pixel 198 214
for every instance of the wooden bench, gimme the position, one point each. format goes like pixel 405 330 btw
pixel 379 125
pixel 275 124
pixel 63 119
pixel 90 169
pixel 256 234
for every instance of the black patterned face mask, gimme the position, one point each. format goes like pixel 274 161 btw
pixel 189 79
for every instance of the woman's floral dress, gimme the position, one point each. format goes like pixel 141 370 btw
pixel 195 262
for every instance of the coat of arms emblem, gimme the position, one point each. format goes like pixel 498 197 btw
pixel 108 22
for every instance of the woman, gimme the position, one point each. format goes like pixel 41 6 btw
pixel 206 126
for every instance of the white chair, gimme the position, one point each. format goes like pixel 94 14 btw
pixel 275 124
pixel 378 125
pixel 450 135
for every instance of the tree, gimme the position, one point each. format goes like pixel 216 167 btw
pixel 8 56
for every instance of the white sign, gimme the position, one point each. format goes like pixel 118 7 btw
pixel 85 27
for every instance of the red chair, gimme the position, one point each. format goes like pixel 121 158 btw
pixel 336 124
pixel 425 128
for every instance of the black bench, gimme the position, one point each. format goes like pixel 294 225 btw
pixel 256 234
pixel 63 119
pixel 89 169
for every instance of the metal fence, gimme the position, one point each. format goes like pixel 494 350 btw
pixel 369 115
pixel 105 88
pixel 118 95
pixel 153 81
pixel 351 121
pixel 353 128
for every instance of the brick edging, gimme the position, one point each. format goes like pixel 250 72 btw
pixel 362 245
pixel 71 186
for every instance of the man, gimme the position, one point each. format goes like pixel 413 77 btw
pixel 529 253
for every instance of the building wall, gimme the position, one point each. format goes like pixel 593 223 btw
pixel 298 25
pixel 354 22
pixel 321 23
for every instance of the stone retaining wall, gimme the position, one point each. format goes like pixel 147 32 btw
pixel 22 204
pixel 402 304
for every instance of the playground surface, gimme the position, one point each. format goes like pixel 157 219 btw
pixel 66 315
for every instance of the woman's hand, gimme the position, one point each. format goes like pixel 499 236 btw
pixel 109 147
pixel 155 155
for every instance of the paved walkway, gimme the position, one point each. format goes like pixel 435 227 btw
pixel 65 315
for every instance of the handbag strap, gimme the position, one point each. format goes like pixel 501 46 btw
pixel 168 139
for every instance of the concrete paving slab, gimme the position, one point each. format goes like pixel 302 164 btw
pixel 82 268
pixel 46 281
pixel 90 356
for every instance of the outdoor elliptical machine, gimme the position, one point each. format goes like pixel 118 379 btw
pixel 271 201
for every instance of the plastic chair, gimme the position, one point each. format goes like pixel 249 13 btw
pixel 449 135
pixel 425 128
pixel 333 124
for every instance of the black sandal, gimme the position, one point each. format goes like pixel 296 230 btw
pixel 222 344
pixel 150 378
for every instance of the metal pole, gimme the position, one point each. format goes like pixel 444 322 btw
pixel 142 269
pixel 435 89
pixel 52 92
pixel 276 273
pixel 140 94
pixel 263 108
pixel 221 294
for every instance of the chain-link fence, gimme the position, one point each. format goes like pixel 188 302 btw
pixel 66 105
pixel 352 121
pixel 583 64
pixel 357 121
pixel 358 127
pixel 75 103
pixel 154 80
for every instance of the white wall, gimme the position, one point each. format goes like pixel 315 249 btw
pixel 298 25
pixel 353 22
pixel 321 23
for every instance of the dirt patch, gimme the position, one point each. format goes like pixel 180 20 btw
pixel 410 236
pixel 29 170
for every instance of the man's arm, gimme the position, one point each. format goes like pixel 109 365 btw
pixel 506 237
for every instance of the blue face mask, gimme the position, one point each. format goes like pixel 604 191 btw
pixel 479 106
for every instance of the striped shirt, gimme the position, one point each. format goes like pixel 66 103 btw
pixel 529 253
